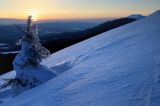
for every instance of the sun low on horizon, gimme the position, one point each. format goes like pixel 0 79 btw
pixel 75 9
pixel 34 13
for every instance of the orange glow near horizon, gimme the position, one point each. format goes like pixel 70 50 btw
pixel 34 14
pixel 63 14
pixel 57 14
pixel 74 9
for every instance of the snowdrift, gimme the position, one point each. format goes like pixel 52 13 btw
pixel 117 68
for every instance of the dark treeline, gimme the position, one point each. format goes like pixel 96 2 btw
pixel 63 40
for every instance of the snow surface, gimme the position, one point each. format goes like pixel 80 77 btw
pixel 136 16
pixel 117 68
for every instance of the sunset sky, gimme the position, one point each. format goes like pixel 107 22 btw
pixel 75 9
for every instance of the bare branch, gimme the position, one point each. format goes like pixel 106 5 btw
pixel 21 29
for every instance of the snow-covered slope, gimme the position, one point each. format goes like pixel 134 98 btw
pixel 136 16
pixel 117 68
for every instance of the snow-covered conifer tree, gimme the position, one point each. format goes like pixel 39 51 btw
pixel 29 72
pixel 31 52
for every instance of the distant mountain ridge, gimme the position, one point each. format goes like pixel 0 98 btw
pixel 59 41
pixel 136 16
pixel 10 34
pixel 9 21
pixel 55 42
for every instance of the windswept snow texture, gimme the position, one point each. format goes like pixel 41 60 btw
pixel 117 68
